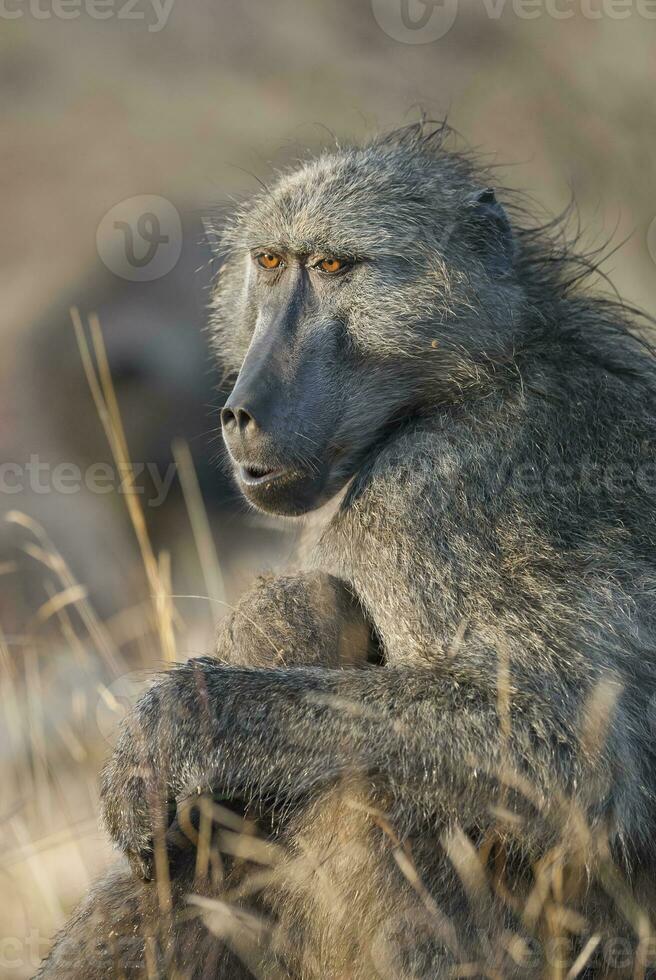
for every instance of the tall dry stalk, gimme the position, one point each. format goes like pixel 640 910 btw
pixel 99 378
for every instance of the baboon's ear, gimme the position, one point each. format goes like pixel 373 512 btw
pixel 488 231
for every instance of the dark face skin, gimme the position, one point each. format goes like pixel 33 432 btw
pixel 286 424
pixel 343 339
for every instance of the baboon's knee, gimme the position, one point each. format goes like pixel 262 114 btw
pixel 306 618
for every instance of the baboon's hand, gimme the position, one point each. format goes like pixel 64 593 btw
pixel 146 777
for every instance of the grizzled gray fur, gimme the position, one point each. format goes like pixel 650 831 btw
pixel 454 696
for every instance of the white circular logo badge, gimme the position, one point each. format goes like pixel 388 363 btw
pixel 140 239
pixel 415 21
pixel 115 701
pixel 651 240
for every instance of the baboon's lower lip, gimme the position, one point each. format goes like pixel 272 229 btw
pixel 288 491
pixel 256 476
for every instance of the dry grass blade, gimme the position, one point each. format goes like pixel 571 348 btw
pixel 583 958
pixel 102 389
pixel 46 553
pixel 200 524
pixel 58 602
pixel 244 932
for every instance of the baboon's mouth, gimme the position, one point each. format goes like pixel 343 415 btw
pixel 255 476
pixel 290 489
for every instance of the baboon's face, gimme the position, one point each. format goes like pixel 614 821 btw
pixel 336 299
pixel 307 403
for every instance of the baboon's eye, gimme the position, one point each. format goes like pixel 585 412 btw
pixel 331 266
pixel 269 260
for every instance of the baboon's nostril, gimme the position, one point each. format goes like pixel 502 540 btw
pixel 227 418
pixel 237 418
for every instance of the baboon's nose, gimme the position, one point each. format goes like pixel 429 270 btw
pixel 236 419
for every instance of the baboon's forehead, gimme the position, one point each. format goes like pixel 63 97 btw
pixel 355 203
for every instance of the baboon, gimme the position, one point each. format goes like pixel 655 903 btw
pixel 442 722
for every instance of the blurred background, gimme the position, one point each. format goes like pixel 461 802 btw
pixel 124 127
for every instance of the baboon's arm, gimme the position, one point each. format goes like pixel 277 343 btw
pixel 429 731
pixel 430 740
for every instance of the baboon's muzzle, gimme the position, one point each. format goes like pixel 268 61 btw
pixel 278 421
